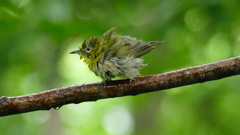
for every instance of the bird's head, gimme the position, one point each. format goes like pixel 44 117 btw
pixel 88 49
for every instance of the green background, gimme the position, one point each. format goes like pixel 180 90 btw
pixel 37 36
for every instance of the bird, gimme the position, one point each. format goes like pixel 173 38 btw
pixel 112 55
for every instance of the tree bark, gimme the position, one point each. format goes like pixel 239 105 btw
pixel 56 98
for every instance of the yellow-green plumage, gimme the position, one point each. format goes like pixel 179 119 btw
pixel 113 55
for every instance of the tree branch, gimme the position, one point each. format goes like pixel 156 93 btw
pixel 56 98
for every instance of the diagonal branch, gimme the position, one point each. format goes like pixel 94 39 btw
pixel 56 98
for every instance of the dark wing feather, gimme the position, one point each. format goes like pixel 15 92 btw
pixel 141 47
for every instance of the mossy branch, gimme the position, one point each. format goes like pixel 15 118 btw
pixel 56 98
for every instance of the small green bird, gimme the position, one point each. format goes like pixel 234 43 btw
pixel 113 55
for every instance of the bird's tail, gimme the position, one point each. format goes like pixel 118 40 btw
pixel 156 42
pixel 143 47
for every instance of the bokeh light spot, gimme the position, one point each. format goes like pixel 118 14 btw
pixel 72 68
pixel 218 47
pixel 196 20
pixel 118 121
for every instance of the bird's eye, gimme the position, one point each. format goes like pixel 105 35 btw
pixel 88 50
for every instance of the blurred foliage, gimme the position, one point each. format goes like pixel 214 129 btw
pixel 36 37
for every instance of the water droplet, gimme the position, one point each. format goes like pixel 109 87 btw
pixel 57 107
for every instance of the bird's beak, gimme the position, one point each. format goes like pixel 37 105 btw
pixel 76 51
